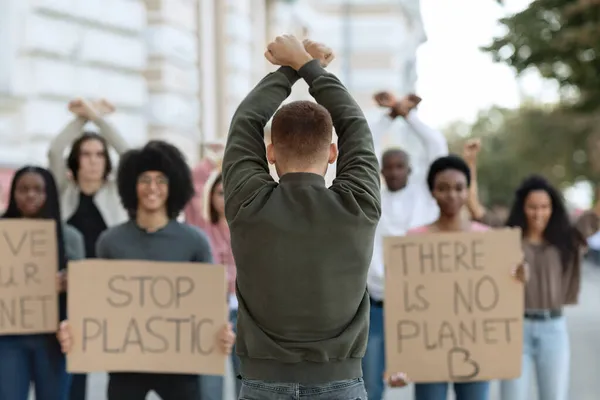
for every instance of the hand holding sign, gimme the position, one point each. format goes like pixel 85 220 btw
pixel 65 338
pixel 521 272
pixel 227 339
pixel 61 281
pixel 397 380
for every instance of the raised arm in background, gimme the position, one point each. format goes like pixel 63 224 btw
pixel 378 130
pixel 56 157
pixel 84 111
pixel 385 121
pixel 476 209
pixel 394 108
pixel 433 141
pixel 108 131
pixel 470 151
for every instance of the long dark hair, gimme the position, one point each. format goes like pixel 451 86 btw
pixel 214 215
pixel 75 154
pixel 559 232
pixel 50 209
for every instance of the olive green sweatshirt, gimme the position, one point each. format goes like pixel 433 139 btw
pixel 302 250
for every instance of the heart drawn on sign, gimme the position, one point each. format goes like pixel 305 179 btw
pixel 460 365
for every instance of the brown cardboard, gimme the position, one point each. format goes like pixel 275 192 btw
pixel 117 327
pixel 28 268
pixel 453 311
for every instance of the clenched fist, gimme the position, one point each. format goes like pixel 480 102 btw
pixel 385 99
pixel 398 107
pixel 227 339
pixel 319 52
pixel 471 150
pixel 84 108
pixel 65 337
pixel 287 50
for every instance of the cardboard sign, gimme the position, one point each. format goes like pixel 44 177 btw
pixel 28 267
pixel 453 310
pixel 144 316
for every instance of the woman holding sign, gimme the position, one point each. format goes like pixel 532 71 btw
pixel 449 179
pixel 37 359
pixel 154 184
pixel 553 247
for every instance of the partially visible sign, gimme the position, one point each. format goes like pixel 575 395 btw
pixel 28 267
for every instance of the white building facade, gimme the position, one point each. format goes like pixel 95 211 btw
pixel 177 69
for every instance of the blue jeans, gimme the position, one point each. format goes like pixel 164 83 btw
pixel 373 363
pixel 546 351
pixel 211 386
pixel 351 389
pixel 462 391
pixel 32 358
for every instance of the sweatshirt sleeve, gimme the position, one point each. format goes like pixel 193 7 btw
pixel 56 158
pixel 357 172
pixel 245 166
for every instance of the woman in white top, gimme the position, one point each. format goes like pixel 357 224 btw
pixel 89 198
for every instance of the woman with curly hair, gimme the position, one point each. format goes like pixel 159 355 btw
pixel 553 248
pixel 154 185
pixel 37 358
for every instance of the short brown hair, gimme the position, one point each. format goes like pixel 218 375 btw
pixel 301 130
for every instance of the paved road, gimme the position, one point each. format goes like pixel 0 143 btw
pixel 584 325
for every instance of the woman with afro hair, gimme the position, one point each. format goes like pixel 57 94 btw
pixel 155 184
pixel 449 179
pixel 552 245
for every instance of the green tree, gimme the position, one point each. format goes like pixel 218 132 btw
pixel 561 39
pixel 519 142
pixel 499 169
